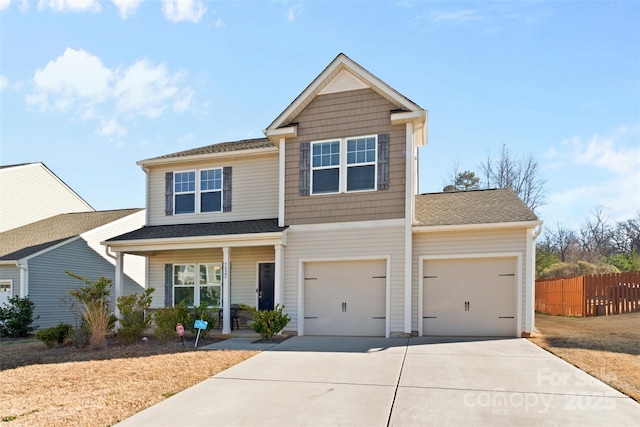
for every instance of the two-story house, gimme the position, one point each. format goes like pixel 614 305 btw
pixel 324 216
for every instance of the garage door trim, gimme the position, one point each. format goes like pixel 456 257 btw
pixel 519 291
pixel 302 261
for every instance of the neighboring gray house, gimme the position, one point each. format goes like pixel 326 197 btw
pixel 34 257
pixel 30 192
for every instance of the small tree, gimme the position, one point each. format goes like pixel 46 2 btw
pixel 16 318
pixel 133 319
pixel 95 302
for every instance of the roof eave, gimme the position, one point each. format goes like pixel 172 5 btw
pixel 198 242
pixel 476 227
pixel 208 156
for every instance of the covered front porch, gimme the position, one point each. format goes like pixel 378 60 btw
pixel 220 264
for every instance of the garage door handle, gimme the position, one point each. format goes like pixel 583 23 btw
pixel 429 317
pixel 505 317
pixel 379 317
pixel 310 317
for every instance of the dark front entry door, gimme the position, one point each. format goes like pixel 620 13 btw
pixel 266 281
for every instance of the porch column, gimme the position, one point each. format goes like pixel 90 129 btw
pixel 226 292
pixel 278 276
pixel 119 280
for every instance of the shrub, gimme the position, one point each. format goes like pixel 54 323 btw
pixel 16 318
pixel 80 336
pixel 54 335
pixel 95 313
pixel 133 319
pixel 166 320
pixel 202 312
pixel 269 322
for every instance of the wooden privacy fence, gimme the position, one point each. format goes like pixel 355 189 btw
pixel 592 295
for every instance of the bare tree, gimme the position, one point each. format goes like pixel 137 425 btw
pixel 626 236
pixel 521 175
pixel 596 236
pixel 565 243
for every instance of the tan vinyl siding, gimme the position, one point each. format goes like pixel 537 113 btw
pixel 243 269
pixel 455 243
pixel 30 193
pixel 254 190
pixel 340 115
pixel 346 244
pixel 49 285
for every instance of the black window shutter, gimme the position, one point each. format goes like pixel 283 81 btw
pixel 168 285
pixel 226 189
pixel 383 161
pixel 168 193
pixel 305 168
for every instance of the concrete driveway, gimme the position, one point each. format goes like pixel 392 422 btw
pixel 332 381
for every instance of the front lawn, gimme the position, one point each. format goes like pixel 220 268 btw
pixel 607 347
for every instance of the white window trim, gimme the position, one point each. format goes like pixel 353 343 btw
pixel 196 282
pixel 343 166
pixel 198 192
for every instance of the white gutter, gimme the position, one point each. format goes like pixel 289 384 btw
pixel 473 227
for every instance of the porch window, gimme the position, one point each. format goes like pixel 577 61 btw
pixel 195 289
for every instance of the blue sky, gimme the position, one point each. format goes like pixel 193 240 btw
pixel 89 87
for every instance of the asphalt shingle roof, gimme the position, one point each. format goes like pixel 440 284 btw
pixel 222 147
pixel 23 241
pixel 201 229
pixel 472 207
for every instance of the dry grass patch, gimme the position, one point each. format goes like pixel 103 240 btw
pixel 81 387
pixel 607 347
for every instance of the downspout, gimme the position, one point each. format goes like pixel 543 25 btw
pixel 532 235
pixel 24 279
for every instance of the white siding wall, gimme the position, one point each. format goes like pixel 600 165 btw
pixel 134 266
pixel 466 243
pixel 348 243
pixel 243 270
pixel 254 190
pixel 29 193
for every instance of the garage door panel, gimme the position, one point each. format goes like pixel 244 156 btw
pixel 473 297
pixel 345 298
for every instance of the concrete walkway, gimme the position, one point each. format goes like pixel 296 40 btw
pixel 332 381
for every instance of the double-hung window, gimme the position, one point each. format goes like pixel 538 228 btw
pixel 185 192
pixel 199 191
pixel 326 167
pixel 211 190
pixel 196 289
pixel 361 164
pixel 344 165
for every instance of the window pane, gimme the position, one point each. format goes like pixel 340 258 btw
pixel 211 202
pixel 211 179
pixel 185 181
pixel 361 178
pixel 210 274
pixel 185 203
pixel 184 275
pixel 183 294
pixel 210 295
pixel 326 181
pixel 361 150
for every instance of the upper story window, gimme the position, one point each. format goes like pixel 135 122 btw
pixel 343 165
pixel 209 191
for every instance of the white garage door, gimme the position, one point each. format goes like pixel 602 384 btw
pixel 469 297
pixel 345 298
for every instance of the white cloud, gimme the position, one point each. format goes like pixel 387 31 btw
pixel 293 12
pixel 78 83
pixel 126 7
pixel 75 76
pixel 111 127
pixel 453 16
pixel 4 82
pixel 24 5
pixel 71 5
pixel 609 170
pixel 183 10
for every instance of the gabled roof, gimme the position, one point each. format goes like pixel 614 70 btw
pixel 214 149
pixel 203 229
pixel 29 239
pixel 471 207
pixel 341 71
